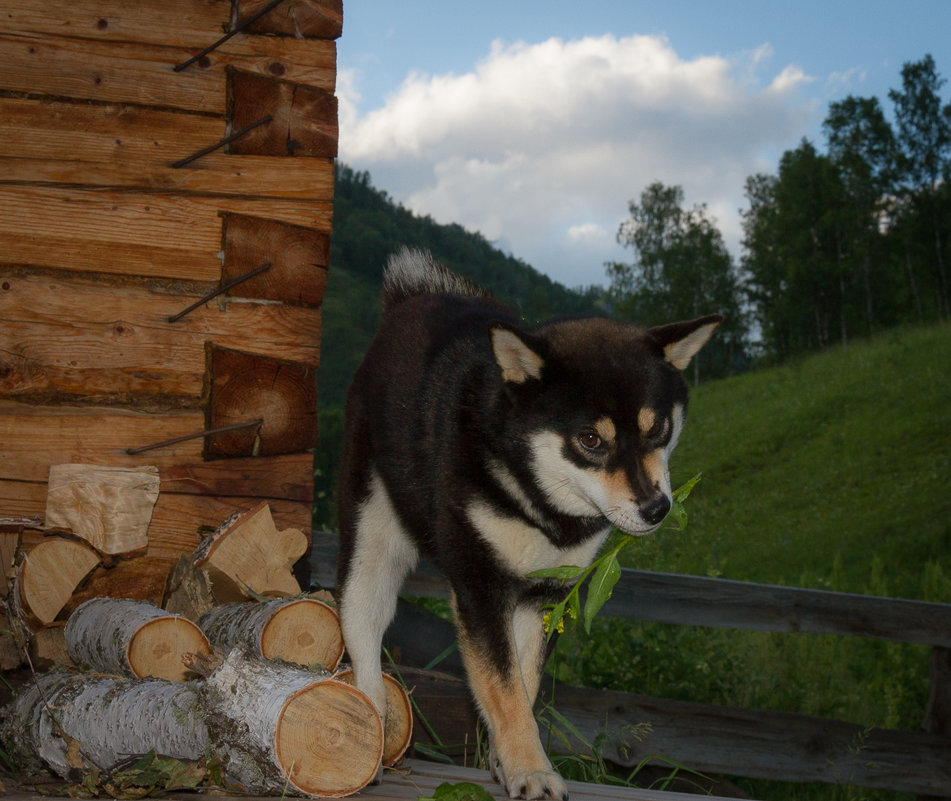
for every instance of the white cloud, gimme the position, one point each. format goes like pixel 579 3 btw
pixel 541 146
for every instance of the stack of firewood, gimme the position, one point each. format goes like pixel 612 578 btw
pixel 236 661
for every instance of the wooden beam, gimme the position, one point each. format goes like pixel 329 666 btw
pixel 125 146
pixel 73 336
pixel 286 477
pixel 319 18
pixel 718 603
pixel 131 233
pixel 192 24
pixel 180 522
pixel 758 744
pixel 34 437
pixel 299 258
pixel 282 395
pixel 304 119
pixel 142 74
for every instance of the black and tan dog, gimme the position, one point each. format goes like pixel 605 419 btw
pixel 497 451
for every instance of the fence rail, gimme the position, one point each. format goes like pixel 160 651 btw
pixel 755 743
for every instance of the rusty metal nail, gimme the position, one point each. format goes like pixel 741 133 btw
pixel 211 148
pixel 223 288
pixel 238 28
pixel 196 435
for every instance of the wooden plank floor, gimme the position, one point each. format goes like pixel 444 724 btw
pixel 420 778
pixel 424 777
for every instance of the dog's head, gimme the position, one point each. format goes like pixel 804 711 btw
pixel 595 408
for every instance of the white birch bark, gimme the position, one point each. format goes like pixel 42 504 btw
pixel 279 728
pixel 304 631
pixel 132 638
pixel 110 719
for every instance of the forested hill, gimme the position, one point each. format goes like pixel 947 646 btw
pixel 368 227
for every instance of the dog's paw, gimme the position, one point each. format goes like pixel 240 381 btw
pixel 539 784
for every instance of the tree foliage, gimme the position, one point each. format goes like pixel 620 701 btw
pixel 842 243
pixel 682 269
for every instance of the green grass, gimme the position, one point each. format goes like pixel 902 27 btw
pixel 830 472
pixel 827 473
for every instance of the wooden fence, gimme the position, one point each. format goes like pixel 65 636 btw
pixel 743 742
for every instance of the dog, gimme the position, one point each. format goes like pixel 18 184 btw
pixel 497 450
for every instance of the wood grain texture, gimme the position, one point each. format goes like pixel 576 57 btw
pixel 770 745
pixel 81 144
pixel 142 74
pixel 49 573
pixel 299 258
pixel 180 522
pixel 108 507
pixel 189 25
pixel 127 233
pixel 249 548
pixel 321 737
pixel 288 477
pixel 245 387
pixel 128 637
pixel 309 18
pixel 34 437
pixel 304 117
pixel 84 338
pixel 132 233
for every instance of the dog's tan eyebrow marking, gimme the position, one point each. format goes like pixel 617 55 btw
pixel 646 418
pixel 606 429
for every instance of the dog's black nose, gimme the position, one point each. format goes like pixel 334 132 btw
pixel 656 510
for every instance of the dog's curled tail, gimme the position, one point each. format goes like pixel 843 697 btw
pixel 411 272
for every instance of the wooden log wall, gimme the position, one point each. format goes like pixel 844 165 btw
pixel 117 213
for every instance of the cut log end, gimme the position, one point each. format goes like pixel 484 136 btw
pixel 306 632
pixel 48 575
pixel 329 741
pixel 398 733
pixel 158 647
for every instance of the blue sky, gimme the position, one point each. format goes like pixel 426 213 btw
pixel 536 122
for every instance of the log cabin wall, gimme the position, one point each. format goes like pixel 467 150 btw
pixel 117 213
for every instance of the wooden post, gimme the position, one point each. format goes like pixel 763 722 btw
pixel 938 709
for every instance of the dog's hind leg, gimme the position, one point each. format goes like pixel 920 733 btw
pixel 379 556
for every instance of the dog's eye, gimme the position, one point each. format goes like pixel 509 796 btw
pixel 657 429
pixel 589 440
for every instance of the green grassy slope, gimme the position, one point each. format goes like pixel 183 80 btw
pixel 823 472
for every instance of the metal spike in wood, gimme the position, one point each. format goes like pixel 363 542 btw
pixel 208 433
pixel 237 29
pixel 223 288
pixel 222 142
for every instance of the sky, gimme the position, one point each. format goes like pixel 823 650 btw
pixel 536 123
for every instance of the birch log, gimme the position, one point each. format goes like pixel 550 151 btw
pixel 398 730
pixel 276 727
pixel 132 638
pixel 105 720
pixel 303 631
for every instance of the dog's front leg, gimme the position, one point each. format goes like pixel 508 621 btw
pixel 489 641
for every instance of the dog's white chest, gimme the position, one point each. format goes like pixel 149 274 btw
pixel 523 548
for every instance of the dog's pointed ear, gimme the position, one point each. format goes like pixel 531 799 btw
pixel 516 354
pixel 681 341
